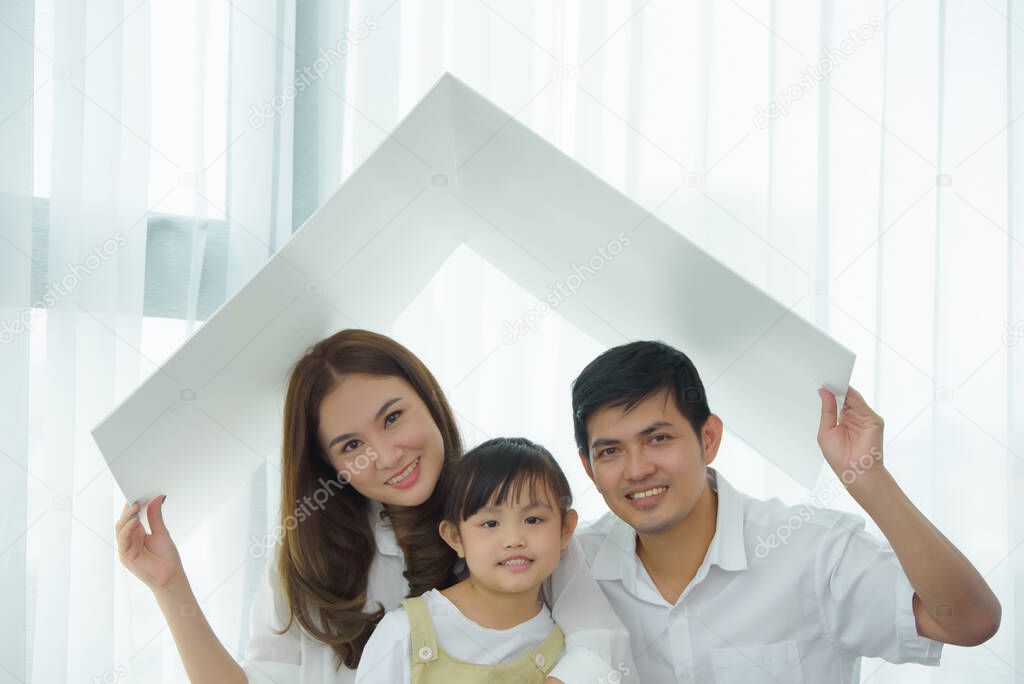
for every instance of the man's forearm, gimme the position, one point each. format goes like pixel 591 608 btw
pixel 950 588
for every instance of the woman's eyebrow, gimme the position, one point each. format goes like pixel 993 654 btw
pixel 387 404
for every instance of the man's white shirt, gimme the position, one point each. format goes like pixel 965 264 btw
pixel 803 605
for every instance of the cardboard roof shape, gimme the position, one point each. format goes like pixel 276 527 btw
pixel 459 170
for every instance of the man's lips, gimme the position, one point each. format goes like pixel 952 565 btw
pixel 652 490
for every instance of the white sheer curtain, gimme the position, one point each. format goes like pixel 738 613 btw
pixel 882 203
pixel 132 115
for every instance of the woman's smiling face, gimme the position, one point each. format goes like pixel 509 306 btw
pixel 380 437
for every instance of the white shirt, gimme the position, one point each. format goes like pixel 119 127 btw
pixel 386 658
pixel 596 642
pixel 803 605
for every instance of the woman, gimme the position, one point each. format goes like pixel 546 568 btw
pixel 368 430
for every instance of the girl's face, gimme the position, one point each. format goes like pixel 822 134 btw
pixel 512 548
pixel 380 437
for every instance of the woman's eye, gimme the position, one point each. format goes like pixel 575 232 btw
pixel 349 444
pixel 394 414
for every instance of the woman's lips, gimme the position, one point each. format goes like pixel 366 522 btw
pixel 410 478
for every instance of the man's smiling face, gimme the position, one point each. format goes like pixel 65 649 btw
pixel 648 463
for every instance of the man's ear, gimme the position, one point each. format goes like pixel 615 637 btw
pixel 450 534
pixel 569 521
pixel 711 437
pixel 585 459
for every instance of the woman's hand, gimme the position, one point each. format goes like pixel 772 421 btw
pixel 153 558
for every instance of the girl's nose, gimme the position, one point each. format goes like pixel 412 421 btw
pixel 514 541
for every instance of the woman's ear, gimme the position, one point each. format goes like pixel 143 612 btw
pixel 569 520
pixel 450 534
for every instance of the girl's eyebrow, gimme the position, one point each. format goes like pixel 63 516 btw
pixel 529 507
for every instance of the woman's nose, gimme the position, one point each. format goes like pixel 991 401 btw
pixel 389 456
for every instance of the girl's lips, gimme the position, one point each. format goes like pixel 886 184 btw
pixel 519 566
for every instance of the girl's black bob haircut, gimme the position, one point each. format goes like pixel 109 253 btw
pixel 500 470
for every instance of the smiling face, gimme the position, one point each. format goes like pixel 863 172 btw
pixel 380 436
pixel 648 463
pixel 513 547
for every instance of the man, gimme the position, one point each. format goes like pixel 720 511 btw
pixel 716 586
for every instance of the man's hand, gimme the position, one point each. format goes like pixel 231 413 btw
pixel 952 601
pixel 851 441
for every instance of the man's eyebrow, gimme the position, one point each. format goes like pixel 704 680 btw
pixel 607 441
pixel 387 404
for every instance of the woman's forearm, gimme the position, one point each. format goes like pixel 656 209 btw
pixel 205 658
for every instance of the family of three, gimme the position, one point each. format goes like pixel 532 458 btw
pixel 434 565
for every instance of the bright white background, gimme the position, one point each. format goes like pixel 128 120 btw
pixel 883 205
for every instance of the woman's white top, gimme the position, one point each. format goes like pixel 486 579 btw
pixel 388 655
pixel 596 643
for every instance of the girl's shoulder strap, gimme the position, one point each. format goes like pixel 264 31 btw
pixel 421 627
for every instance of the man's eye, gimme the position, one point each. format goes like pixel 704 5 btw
pixel 388 421
pixel 659 438
pixel 606 452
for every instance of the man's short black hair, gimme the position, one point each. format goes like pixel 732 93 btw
pixel 631 373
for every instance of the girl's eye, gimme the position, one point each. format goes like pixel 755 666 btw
pixel 349 444
pixel 487 523
pixel 534 517
pixel 388 421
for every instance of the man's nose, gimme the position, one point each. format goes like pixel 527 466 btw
pixel 638 466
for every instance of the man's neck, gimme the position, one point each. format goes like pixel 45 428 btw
pixel 673 556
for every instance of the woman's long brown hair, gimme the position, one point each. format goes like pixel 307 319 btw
pixel 324 562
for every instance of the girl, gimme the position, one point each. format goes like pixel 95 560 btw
pixel 507 514
pixel 367 427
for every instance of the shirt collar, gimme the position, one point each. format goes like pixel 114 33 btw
pixel 383 534
pixel 728 548
pixel 616 559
